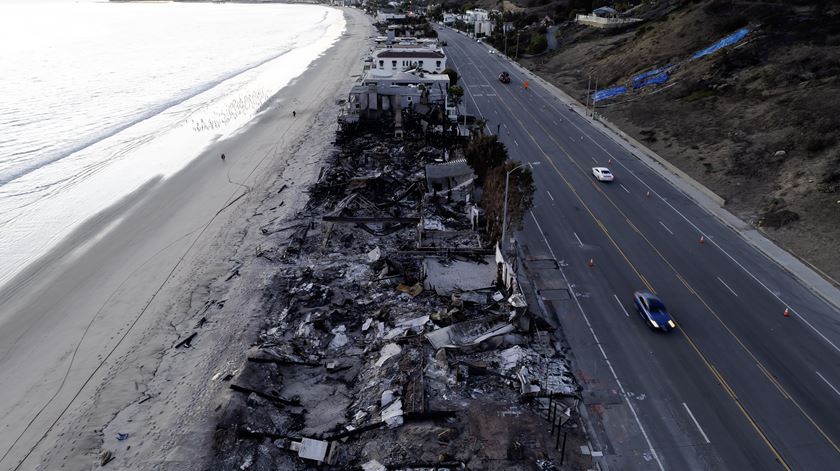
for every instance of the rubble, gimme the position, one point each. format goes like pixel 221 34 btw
pixel 390 340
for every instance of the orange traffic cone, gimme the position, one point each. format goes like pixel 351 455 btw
pixel 787 312
pixel 702 239
pixel 591 262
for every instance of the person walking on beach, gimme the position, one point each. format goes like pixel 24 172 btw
pixel 223 157
pixel 293 113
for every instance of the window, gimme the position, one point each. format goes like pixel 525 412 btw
pixel 420 63
pixel 654 305
pixel 394 64
pixel 438 64
pixel 381 64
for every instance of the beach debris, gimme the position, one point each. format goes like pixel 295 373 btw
pixel 374 465
pixel 468 333
pixel 271 397
pixel 340 339
pixel 187 342
pixel 315 450
pixel 411 290
pixel 387 397
pixel 384 283
pixel 122 437
pixel 393 414
pixel 105 457
pixel 415 324
pixel 388 351
pixel 374 255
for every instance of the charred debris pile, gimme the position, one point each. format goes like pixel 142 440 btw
pixel 393 337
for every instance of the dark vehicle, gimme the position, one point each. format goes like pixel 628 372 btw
pixel 443 43
pixel 653 311
pixel 504 77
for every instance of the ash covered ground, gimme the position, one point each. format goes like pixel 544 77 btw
pixel 392 339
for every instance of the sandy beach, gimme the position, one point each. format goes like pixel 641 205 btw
pixel 88 333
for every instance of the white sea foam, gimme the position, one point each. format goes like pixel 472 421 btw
pixel 97 99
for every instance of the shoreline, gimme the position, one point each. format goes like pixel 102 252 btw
pixel 185 249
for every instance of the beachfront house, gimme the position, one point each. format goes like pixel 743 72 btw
pixel 385 16
pixel 402 59
pixel 381 93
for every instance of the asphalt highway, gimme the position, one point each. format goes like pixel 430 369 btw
pixel 737 385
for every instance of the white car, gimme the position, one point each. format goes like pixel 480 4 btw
pixel 602 174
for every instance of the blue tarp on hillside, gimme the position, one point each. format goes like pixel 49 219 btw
pixel 727 41
pixel 657 79
pixel 645 78
pixel 608 93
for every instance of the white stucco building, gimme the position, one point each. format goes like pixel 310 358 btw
pixel 401 59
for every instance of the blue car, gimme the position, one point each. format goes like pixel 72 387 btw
pixel 653 311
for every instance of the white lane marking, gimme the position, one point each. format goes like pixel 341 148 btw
pixel 603 353
pixel 692 224
pixel 549 195
pixel 625 188
pixel 578 239
pixel 696 423
pixel 666 227
pixel 555 122
pixel 621 305
pixel 593 159
pixel 727 287
pixel 517 144
pixel 829 384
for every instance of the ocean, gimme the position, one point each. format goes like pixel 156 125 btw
pixel 98 98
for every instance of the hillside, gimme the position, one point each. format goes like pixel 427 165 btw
pixel 755 122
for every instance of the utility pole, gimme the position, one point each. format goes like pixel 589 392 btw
pixel 517 45
pixel 596 92
pixel 588 85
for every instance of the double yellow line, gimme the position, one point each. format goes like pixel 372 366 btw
pixel 715 373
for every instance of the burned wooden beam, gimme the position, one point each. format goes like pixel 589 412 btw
pixel 263 394
pixel 350 433
pixel 429 415
pixel 479 369
pixel 370 220
pixel 283 361
pixel 187 341
pixel 247 433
